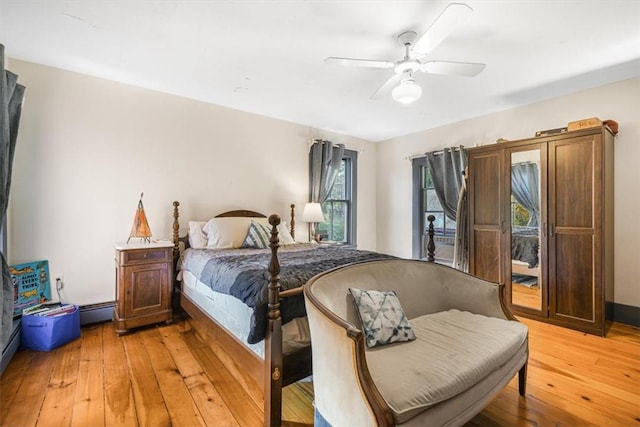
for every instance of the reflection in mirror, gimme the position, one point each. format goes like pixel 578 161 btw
pixel 526 278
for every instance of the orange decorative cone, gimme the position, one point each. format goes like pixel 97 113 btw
pixel 140 226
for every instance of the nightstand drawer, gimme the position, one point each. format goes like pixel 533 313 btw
pixel 144 255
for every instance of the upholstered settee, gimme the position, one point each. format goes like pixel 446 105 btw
pixel 467 346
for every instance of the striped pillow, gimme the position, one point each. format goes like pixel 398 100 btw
pixel 257 237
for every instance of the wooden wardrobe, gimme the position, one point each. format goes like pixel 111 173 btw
pixel 571 284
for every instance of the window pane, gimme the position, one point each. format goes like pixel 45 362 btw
pixel 428 182
pixel 338 190
pixel 334 228
pixel 450 226
pixel 432 202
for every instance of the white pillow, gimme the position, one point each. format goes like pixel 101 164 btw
pixel 226 233
pixel 197 236
pixel 284 234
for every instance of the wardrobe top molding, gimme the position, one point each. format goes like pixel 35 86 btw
pixel 542 138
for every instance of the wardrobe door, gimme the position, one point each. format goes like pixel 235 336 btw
pixel 574 234
pixel 527 213
pixel 486 222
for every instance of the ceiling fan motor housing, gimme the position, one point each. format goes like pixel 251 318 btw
pixel 408 64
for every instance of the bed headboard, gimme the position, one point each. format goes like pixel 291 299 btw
pixel 239 213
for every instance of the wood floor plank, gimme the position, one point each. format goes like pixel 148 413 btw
pixel 239 402
pixel 119 404
pixel 296 400
pixel 88 408
pixel 206 397
pixel 181 407
pixel 567 382
pixel 149 402
pixel 58 402
pixel 509 409
pixel 12 379
pixel 25 409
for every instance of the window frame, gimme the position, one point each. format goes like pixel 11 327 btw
pixel 350 157
pixel 418 165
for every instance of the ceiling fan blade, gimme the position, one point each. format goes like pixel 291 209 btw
pixel 466 69
pixel 387 86
pixel 451 18
pixel 351 62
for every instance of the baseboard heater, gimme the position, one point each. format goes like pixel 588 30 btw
pixel 96 313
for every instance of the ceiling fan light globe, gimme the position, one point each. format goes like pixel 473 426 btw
pixel 406 92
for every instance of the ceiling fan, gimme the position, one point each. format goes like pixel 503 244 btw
pixel 405 89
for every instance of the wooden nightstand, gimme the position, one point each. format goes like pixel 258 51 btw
pixel 144 275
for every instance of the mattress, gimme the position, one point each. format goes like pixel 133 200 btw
pixel 234 316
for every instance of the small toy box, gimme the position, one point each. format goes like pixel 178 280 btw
pixel 51 327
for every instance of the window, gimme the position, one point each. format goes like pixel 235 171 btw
pixel 519 214
pixel 340 208
pixel 425 203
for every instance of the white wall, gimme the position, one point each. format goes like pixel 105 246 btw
pixel 88 147
pixel 619 101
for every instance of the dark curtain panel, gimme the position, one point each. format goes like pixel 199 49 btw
pixel 325 164
pixel 524 187
pixel 461 248
pixel 447 171
pixel 11 96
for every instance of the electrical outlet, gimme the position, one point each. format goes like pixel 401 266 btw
pixel 59 282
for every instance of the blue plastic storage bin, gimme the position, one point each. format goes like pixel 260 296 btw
pixel 45 333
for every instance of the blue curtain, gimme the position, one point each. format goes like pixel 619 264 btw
pixel 524 187
pixel 11 96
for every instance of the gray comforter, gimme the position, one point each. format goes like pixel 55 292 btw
pixel 524 245
pixel 243 273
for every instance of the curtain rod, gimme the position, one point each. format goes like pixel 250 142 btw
pixel 310 142
pixel 435 153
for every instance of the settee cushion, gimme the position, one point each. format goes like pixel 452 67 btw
pixel 382 317
pixel 453 351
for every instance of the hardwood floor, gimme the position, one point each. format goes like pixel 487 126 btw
pixel 166 376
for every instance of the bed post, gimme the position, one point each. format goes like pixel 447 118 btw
pixel 431 246
pixel 176 230
pixel 292 223
pixel 273 338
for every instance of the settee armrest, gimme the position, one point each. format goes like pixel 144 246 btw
pixel 339 358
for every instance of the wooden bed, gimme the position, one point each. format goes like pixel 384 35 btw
pixel 262 379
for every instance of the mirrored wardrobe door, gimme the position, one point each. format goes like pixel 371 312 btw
pixel 527 217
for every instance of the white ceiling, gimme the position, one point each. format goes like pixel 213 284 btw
pixel 266 57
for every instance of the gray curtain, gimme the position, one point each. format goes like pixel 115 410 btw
pixel 524 187
pixel 325 160
pixel 11 96
pixel 461 247
pixel 447 171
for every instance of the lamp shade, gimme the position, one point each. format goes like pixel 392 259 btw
pixel 140 227
pixel 312 212
pixel 407 91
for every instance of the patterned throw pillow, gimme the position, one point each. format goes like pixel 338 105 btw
pixel 382 317
pixel 257 237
